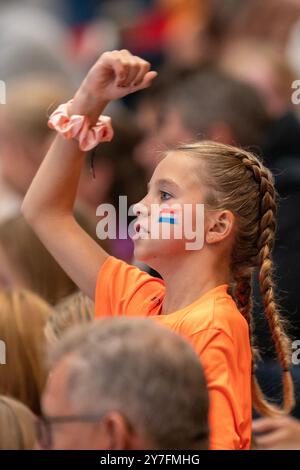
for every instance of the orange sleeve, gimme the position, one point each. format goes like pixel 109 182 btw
pixel 218 357
pixel 123 289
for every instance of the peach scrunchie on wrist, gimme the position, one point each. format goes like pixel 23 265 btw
pixel 78 127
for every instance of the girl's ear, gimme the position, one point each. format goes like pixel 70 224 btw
pixel 220 226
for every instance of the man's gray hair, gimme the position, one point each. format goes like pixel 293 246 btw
pixel 149 374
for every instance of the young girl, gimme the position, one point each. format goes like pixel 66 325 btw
pixel 193 299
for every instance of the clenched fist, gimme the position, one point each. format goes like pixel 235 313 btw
pixel 114 75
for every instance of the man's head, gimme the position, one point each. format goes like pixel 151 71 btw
pixel 128 384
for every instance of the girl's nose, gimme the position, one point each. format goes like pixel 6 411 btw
pixel 140 209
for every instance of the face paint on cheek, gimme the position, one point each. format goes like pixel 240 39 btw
pixel 168 216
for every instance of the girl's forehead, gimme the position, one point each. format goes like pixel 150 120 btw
pixel 181 168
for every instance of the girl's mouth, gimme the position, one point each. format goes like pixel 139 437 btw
pixel 140 231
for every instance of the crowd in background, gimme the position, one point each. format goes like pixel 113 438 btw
pixel 226 70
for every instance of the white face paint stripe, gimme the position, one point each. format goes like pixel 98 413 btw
pixel 168 216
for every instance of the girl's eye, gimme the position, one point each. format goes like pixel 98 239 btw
pixel 165 196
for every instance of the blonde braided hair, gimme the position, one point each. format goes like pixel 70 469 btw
pixel 238 181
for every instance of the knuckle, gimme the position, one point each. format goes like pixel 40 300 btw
pixel 122 62
pixel 104 56
pixel 145 68
pixel 125 64
pixel 145 63
pixel 135 65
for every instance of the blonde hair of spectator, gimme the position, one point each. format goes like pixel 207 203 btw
pixel 33 263
pixel 17 429
pixel 73 310
pixel 23 316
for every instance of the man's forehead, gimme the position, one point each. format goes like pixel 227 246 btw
pixel 55 393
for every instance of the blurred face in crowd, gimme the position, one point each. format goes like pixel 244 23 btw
pixel 172 129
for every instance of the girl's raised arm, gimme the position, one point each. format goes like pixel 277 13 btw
pixel 48 204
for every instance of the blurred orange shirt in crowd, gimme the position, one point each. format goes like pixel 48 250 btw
pixel 215 328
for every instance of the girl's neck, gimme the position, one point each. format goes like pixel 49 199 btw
pixel 187 280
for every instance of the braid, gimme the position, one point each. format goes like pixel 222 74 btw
pixel 243 294
pixel 265 244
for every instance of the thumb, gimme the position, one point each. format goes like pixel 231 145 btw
pixel 147 80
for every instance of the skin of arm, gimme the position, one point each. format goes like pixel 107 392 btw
pixel 48 204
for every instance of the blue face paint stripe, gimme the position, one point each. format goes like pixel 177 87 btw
pixel 168 220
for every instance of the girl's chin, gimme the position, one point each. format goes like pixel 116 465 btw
pixel 144 252
pixel 141 255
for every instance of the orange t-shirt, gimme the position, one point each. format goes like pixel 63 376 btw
pixel 215 328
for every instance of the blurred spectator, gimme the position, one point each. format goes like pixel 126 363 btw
pixel 292 48
pixel 184 37
pixel 207 104
pixel 86 42
pixel 124 384
pixel 73 310
pixel 212 105
pixel 17 425
pixel 32 41
pixel 37 74
pixel 24 135
pixel 23 316
pixel 169 32
pixel 220 22
pixel 271 20
pixel 264 67
pixel 26 263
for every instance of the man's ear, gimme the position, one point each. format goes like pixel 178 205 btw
pixel 117 432
pixel 220 226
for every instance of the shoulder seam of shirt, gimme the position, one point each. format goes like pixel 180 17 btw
pixel 213 328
